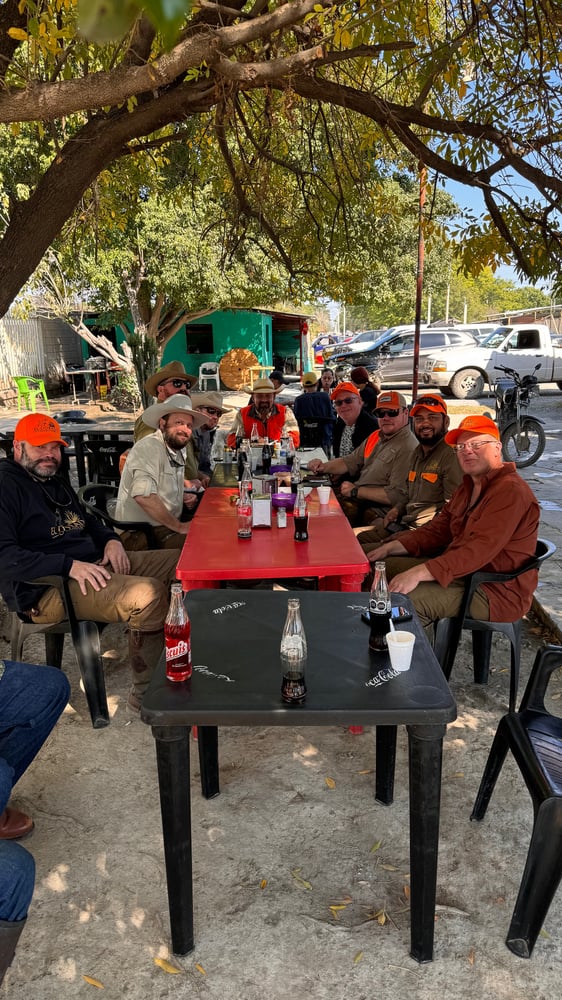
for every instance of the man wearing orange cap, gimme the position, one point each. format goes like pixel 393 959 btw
pixel 490 523
pixel 353 423
pixel 433 477
pixel 375 474
pixel 44 530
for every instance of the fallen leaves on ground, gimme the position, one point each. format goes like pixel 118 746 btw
pixel 375 846
pixel 330 782
pixel 93 982
pixel 300 880
pixel 166 966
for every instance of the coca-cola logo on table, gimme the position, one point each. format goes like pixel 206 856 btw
pixel 229 607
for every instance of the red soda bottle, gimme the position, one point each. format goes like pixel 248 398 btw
pixel 177 635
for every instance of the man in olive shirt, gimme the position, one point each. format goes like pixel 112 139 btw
pixel 433 477
pixel 375 474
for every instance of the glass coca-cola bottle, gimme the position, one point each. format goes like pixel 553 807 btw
pixel 177 635
pixel 379 610
pixel 266 457
pixel 293 654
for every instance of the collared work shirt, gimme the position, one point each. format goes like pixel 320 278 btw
pixel 151 468
pixel 386 466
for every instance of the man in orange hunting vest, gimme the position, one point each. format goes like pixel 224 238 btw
pixel 271 419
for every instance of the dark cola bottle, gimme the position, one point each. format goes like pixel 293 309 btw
pixel 266 457
pixel 379 610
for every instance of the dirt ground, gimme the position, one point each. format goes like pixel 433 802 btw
pixel 272 853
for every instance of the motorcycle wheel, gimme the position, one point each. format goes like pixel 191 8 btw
pixel 523 444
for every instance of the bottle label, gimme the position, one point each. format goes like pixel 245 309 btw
pixel 378 607
pixel 175 652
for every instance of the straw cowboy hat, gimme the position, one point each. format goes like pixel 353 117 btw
pixel 213 399
pixel 262 385
pixel 174 404
pixel 174 369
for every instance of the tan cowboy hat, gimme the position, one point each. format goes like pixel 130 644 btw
pixel 262 385
pixel 213 399
pixel 174 404
pixel 174 369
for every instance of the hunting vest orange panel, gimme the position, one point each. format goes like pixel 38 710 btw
pixel 371 443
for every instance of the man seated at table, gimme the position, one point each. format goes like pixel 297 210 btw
pixel 354 423
pixel 168 381
pixel 152 481
pixel 211 406
pixel 490 523
pixel 375 474
pixel 271 419
pixel 45 530
pixel 433 477
pixel 315 415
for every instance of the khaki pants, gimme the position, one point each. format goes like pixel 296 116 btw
pixel 431 600
pixel 140 599
pixel 135 541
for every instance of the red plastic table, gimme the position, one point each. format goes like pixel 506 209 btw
pixel 213 552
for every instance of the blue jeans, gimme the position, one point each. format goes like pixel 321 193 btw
pixel 31 700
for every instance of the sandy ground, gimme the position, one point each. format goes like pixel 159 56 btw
pixel 100 908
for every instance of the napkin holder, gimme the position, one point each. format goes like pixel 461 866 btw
pixel 261 510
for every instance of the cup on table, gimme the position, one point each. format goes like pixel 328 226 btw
pixel 323 493
pixel 400 648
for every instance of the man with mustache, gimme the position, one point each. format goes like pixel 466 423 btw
pixel 271 419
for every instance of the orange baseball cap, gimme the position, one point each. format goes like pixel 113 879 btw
pixel 37 429
pixel 473 425
pixel 391 398
pixel 344 387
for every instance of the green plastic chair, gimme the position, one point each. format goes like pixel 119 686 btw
pixel 28 390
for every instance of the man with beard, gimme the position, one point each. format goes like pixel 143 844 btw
pixel 152 482
pixel 210 405
pixel 45 530
pixel 433 477
pixel 375 473
pixel 271 419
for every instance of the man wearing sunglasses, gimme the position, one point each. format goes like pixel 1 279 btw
pixel 354 423
pixel 375 474
pixel 490 523
pixel 166 382
pixel 433 477
pixel 209 404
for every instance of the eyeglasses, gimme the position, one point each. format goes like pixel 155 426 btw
pixel 429 401
pixel 210 410
pixel 177 383
pixel 343 402
pixel 386 413
pixel 474 445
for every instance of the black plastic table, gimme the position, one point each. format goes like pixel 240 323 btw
pixel 347 685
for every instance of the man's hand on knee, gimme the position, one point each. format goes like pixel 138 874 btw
pixel 92 573
pixel 407 581
pixel 114 555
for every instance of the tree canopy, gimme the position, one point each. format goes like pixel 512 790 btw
pixel 472 91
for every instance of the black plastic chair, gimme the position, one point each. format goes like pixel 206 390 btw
pixel 95 497
pixel 316 432
pixel 103 460
pixel 448 630
pixel 86 640
pixel 534 737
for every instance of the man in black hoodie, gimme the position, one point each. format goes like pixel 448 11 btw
pixel 44 530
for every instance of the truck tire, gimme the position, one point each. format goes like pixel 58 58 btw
pixel 467 384
pixel 523 444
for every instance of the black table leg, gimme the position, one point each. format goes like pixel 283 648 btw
pixel 425 753
pixel 385 762
pixel 208 741
pixel 172 755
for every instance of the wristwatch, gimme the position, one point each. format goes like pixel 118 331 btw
pixel 354 492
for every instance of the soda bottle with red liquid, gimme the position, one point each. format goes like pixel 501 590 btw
pixel 177 635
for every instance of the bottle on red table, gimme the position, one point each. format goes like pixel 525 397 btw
pixel 177 635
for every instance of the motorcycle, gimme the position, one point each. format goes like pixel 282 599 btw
pixel 522 436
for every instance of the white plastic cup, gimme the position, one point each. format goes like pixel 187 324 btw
pixel 324 493
pixel 400 648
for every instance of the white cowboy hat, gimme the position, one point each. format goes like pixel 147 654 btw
pixel 174 404
pixel 212 399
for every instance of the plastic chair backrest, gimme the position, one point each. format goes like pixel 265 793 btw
pixel 97 498
pixel 103 459
pixel 546 662
pixel 544 549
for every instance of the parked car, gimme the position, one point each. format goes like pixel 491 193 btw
pixel 392 355
pixel 323 341
pixel 360 342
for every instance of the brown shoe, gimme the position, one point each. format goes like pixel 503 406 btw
pixel 133 705
pixel 14 824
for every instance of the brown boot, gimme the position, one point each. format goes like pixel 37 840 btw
pixel 14 824
pixel 145 649
pixel 10 931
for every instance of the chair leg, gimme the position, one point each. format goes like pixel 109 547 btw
pixel 208 745
pixel 494 764
pixel 88 653
pixel 481 649
pixel 54 645
pixel 445 643
pixel 515 662
pixel 541 878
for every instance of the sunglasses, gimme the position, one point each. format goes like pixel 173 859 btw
pixel 343 402
pixel 177 383
pixel 386 413
pixel 211 411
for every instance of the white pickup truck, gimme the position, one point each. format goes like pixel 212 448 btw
pixel 465 371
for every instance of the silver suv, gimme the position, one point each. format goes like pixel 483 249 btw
pixel 392 355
